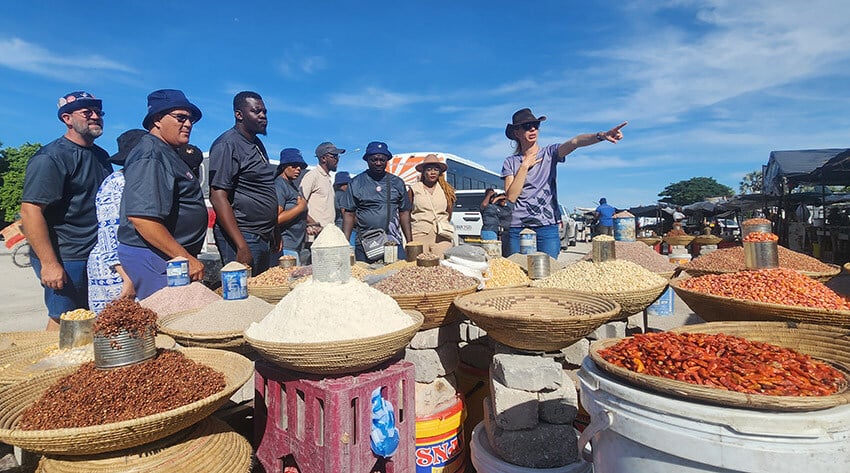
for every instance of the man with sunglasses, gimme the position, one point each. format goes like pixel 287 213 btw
pixel 163 214
pixel 57 210
pixel 242 189
pixel 530 176
pixel 317 187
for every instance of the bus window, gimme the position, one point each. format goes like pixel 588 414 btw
pixel 479 184
pixel 450 178
pixel 467 183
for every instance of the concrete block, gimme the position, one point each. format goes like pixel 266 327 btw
pixel 615 329
pixel 432 363
pixel 528 373
pixel 513 409
pixel 435 396
pixel 545 446
pixel 433 338
pixel 575 353
pixel 476 355
pixel 474 332
pixel 561 405
pixel 500 348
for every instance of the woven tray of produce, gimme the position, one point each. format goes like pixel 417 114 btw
pixel 537 319
pixel 804 299
pixel 752 365
pixel 679 240
pixel 209 446
pixel 54 358
pixel 730 260
pixel 651 241
pixel 16 400
pixel 14 340
pixel 338 357
pixel 707 240
pixel 218 325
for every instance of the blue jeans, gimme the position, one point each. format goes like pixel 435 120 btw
pixel 144 267
pixel 73 295
pixel 548 239
pixel 260 250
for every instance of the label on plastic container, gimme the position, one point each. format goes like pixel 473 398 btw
pixel 177 272
pixel 234 282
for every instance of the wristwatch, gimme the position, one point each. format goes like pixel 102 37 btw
pixel 600 136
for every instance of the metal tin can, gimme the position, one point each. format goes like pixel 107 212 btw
pixel 177 272
pixel 412 250
pixel 527 241
pixel 390 252
pixel 761 254
pixel 603 250
pixel 539 266
pixel 234 283
pixel 123 349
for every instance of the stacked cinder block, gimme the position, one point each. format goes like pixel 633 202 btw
pixel 529 414
pixel 434 353
pixel 476 348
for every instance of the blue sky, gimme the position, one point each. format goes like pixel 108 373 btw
pixel 709 87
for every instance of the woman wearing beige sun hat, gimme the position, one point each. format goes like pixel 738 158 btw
pixel 432 198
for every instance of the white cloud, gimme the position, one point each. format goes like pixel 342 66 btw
pixel 297 67
pixel 376 98
pixel 21 55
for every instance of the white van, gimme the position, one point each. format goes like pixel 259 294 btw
pixel 466 215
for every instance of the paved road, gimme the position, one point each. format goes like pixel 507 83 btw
pixel 21 297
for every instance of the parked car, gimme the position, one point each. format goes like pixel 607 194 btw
pixel 567 229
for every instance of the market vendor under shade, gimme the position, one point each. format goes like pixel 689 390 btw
pixel 163 214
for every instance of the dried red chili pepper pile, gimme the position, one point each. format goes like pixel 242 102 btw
pixel 760 236
pixel 725 362
pixel 776 286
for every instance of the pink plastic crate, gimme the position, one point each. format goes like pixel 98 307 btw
pixel 323 423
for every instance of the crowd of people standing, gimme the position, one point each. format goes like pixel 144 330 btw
pixel 99 234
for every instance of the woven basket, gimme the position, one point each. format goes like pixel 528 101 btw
pixel 707 240
pixel 114 436
pixel 631 302
pixel 23 339
pixel 683 240
pixel 338 357
pixel 436 307
pixel 231 341
pixel 713 308
pixel 270 294
pixel 209 446
pixel 823 277
pixel 537 319
pixel 651 241
pixel 778 334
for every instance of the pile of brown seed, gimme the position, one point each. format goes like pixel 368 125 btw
pixel 732 259
pixel 125 314
pixel 91 396
pixel 419 279
pixel 172 299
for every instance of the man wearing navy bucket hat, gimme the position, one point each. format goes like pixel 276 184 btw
pixel 58 204
pixel 163 214
pixel 291 205
pixel 377 206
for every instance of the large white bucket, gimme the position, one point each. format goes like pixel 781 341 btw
pixel 634 431
pixel 485 460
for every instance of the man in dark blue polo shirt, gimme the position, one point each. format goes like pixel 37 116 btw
pixel 368 205
pixel 242 189
pixel 57 209
pixel 163 214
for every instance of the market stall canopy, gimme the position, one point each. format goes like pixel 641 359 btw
pixel 796 167
pixel 836 171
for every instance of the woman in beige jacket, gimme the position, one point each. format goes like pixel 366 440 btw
pixel 432 198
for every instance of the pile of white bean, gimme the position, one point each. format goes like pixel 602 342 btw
pixel 609 276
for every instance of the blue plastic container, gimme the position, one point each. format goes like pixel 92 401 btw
pixel 177 272
pixel 234 284
pixel 624 228
pixel 663 306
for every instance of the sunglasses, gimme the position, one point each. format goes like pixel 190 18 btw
pixel 87 114
pixel 530 126
pixel 181 118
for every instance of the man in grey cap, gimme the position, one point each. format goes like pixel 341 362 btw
pixel 317 188
pixel 57 209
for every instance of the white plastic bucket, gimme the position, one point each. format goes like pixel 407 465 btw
pixel 485 460
pixel 634 431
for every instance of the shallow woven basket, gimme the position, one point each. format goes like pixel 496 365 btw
pixel 436 307
pixel 537 319
pixel 651 241
pixel 232 341
pixel 707 240
pixel 9 340
pixel 338 357
pixel 270 294
pixel 14 400
pixel 713 308
pixel 682 240
pixel 830 345
pixel 823 277
pixel 209 446
pixel 510 286
pixel 631 302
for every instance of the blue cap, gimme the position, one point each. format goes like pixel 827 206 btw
pixel 289 157
pixel 342 177
pixel 164 100
pixel 377 147
pixel 76 100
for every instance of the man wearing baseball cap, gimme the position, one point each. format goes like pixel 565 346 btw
pixel 317 188
pixel 57 210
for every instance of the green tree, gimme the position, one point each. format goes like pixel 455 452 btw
pixel 752 183
pixel 695 189
pixel 13 166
